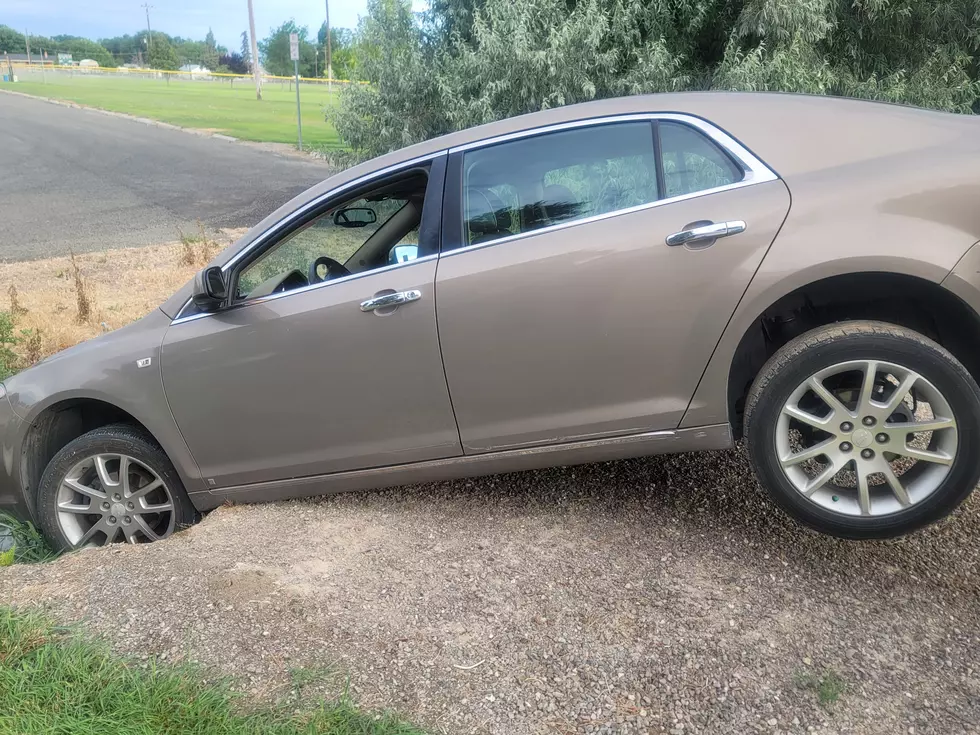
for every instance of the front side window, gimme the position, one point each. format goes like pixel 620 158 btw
pixel 548 179
pixel 372 230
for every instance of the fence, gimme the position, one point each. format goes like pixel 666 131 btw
pixel 35 69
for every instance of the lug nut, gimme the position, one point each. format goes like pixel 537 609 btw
pixel 847 427
pixel 845 446
pixel 112 519
pixel 867 453
pixel 130 505
pixel 105 506
pixel 117 496
pixel 868 421
pixel 127 520
pixel 882 438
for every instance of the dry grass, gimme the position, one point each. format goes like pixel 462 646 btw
pixel 66 300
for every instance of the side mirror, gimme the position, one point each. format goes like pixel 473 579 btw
pixel 403 254
pixel 210 289
pixel 354 217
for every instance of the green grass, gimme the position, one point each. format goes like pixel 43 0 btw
pixel 221 106
pixel 828 686
pixel 29 545
pixel 53 680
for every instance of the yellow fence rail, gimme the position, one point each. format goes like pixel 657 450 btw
pixel 162 73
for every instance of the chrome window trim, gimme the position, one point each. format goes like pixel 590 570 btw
pixel 756 172
pixel 284 223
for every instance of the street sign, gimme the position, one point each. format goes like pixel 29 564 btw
pixel 64 59
pixel 294 47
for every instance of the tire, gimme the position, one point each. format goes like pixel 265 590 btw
pixel 826 349
pixel 137 512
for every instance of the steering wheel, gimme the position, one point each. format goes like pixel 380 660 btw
pixel 335 269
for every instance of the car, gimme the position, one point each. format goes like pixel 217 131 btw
pixel 627 277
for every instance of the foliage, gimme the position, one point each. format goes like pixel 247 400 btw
pixel 30 547
pixel 11 41
pixel 8 359
pixel 246 51
pixel 828 686
pixel 233 63
pixel 466 62
pixel 162 55
pixel 275 51
pixel 343 52
pixel 83 48
pixel 54 680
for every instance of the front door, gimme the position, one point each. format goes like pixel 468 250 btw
pixel 303 374
pixel 563 312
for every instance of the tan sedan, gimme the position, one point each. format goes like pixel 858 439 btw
pixel 621 278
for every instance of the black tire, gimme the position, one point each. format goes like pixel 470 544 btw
pixel 116 438
pixel 828 345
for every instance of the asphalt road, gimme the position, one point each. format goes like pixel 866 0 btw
pixel 77 179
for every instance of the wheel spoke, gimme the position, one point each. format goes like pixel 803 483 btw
pixel 80 509
pixel 96 528
pixel 809 453
pixel 161 508
pixel 898 490
pixel 900 392
pixel 145 528
pixel 864 493
pixel 867 386
pixel 804 417
pixel 84 489
pixel 103 471
pixel 925 455
pixel 829 398
pixel 124 473
pixel 148 488
pixel 937 424
pixel 820 480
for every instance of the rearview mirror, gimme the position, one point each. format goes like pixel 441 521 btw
pixel 354 217
pixel 210 288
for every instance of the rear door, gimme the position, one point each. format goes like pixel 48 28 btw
pixel 563 313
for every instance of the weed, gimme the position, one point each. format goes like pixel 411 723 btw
pixel 7 557
pixel 187 254
pixel 31 339
pixel 84 304
pixel 16 309
pixel 209 247
pixel 8 360
pixel 828 686
pixel 56 680
pixel 30 547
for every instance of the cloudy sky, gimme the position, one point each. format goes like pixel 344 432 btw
pixel 187 18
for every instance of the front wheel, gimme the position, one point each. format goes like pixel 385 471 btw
pixel 111 484
pixel 865 430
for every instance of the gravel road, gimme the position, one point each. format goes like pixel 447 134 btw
pixel 76 178
pixel 658 595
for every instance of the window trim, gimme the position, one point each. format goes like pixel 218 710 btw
pixel 289 222
pixel 755 172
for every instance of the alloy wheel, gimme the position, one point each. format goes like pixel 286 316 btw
pixel 866 438
pixel 106 497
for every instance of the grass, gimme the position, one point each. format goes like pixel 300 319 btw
pixel 218 106
pixel 29 545
pixel 53 680
pixel 828 686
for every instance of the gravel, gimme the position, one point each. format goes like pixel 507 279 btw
pixel 664 595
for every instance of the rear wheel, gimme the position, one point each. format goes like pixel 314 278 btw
pixel 110 485
pixel 864 430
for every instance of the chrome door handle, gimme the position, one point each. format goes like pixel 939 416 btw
pixel 390 299
pixel 706 232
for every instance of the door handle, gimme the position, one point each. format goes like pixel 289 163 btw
pixel 390 299
pixel 706 232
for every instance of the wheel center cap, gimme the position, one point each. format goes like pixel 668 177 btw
pixel 118 510
pixel 862 438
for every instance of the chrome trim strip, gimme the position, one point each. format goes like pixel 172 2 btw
pixel 297 213
pixel 303 289
pixel 756 172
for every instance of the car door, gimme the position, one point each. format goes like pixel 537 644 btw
pixel 570 302
pixel 308 380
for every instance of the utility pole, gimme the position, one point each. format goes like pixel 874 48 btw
pixel 255 51
pixel 27 41
pixel 329 57
pixel 149 33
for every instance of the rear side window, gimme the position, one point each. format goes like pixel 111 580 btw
pixel 692 162
pixel 523 185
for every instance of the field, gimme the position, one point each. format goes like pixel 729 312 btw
pixel 226 106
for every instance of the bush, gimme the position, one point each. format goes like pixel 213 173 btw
pixel 8 360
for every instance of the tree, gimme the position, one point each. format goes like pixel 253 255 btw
pixel 246 51
pixel 275 51
pixel 163 55
pixel 343 51
pixel 11 41
pixel 232 63
pixel 465 62
pixel 209 56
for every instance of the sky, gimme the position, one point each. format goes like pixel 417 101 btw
pixel 187 18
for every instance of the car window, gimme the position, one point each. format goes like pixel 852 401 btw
pixel 522 185
pixel 372 231
pixel 692 162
